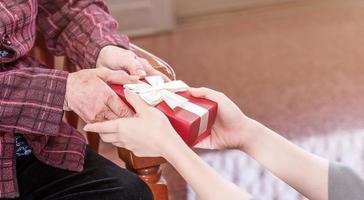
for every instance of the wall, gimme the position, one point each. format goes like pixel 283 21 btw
pixel 192 8
pixel 142 17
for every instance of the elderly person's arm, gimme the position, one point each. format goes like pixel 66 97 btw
pixel 86 33
pixel 149 133
pixel 32 100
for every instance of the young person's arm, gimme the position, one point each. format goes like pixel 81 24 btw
pixel 127 133
pixel 307 173
pixel 199 175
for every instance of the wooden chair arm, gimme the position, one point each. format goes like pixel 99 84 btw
pixel 155 61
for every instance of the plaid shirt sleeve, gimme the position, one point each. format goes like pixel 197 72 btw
pixel 79 29
pixel 32 100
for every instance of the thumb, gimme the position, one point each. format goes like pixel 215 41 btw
pixel 206 93
pixel 117 77
pixel 138 104
pixel 110 126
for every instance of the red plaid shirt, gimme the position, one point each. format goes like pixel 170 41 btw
pixel 31 95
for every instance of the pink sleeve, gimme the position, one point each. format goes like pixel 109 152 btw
pixel 32 100
pixel 78 29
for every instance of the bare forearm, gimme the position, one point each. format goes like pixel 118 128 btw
pixel 207 184
pixel 303 171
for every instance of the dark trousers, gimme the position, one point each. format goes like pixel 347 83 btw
pixel 101 179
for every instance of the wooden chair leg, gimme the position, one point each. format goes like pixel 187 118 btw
pixel 148 169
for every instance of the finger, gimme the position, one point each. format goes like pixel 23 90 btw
pixel 110 126
pixel 204 93
pixel 135 67
pixel 138 104
pixel 109 137
pixel 118 107
pixel 144 63
pixel 153 71
pixel 109 115
pixel 118 77
pixel 100 116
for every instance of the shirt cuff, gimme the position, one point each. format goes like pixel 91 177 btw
pixel 50 120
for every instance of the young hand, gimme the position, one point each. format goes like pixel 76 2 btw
pixel 148 133
pixel 231 128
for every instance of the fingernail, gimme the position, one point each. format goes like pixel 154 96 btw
pixel 85 128
pixel 141 72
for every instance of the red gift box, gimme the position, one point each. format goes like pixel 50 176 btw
pixel 187 124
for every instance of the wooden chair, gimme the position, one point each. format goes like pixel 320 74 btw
pixel 148 169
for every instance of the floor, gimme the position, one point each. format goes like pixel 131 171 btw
pixel 296 67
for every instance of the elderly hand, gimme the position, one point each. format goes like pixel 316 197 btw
pixel 90 97
pixel 117 58
pixel 146 134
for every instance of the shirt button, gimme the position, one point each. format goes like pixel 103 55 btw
pixel 5 39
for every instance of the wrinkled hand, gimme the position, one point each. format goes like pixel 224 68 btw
pixel 146 134
pixel 117 58
pixel 230 122
pixel 90 97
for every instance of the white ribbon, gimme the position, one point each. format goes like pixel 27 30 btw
pixel 157 91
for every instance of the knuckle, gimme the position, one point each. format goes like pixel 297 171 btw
pixel 99 116
pixel 130 54
pixel 108 95
pixel 136 64
pixel 124 112
pixel 91 116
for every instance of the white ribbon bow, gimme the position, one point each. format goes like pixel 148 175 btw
pixel 157 91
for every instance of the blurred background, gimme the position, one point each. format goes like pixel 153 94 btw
pixel 297 66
